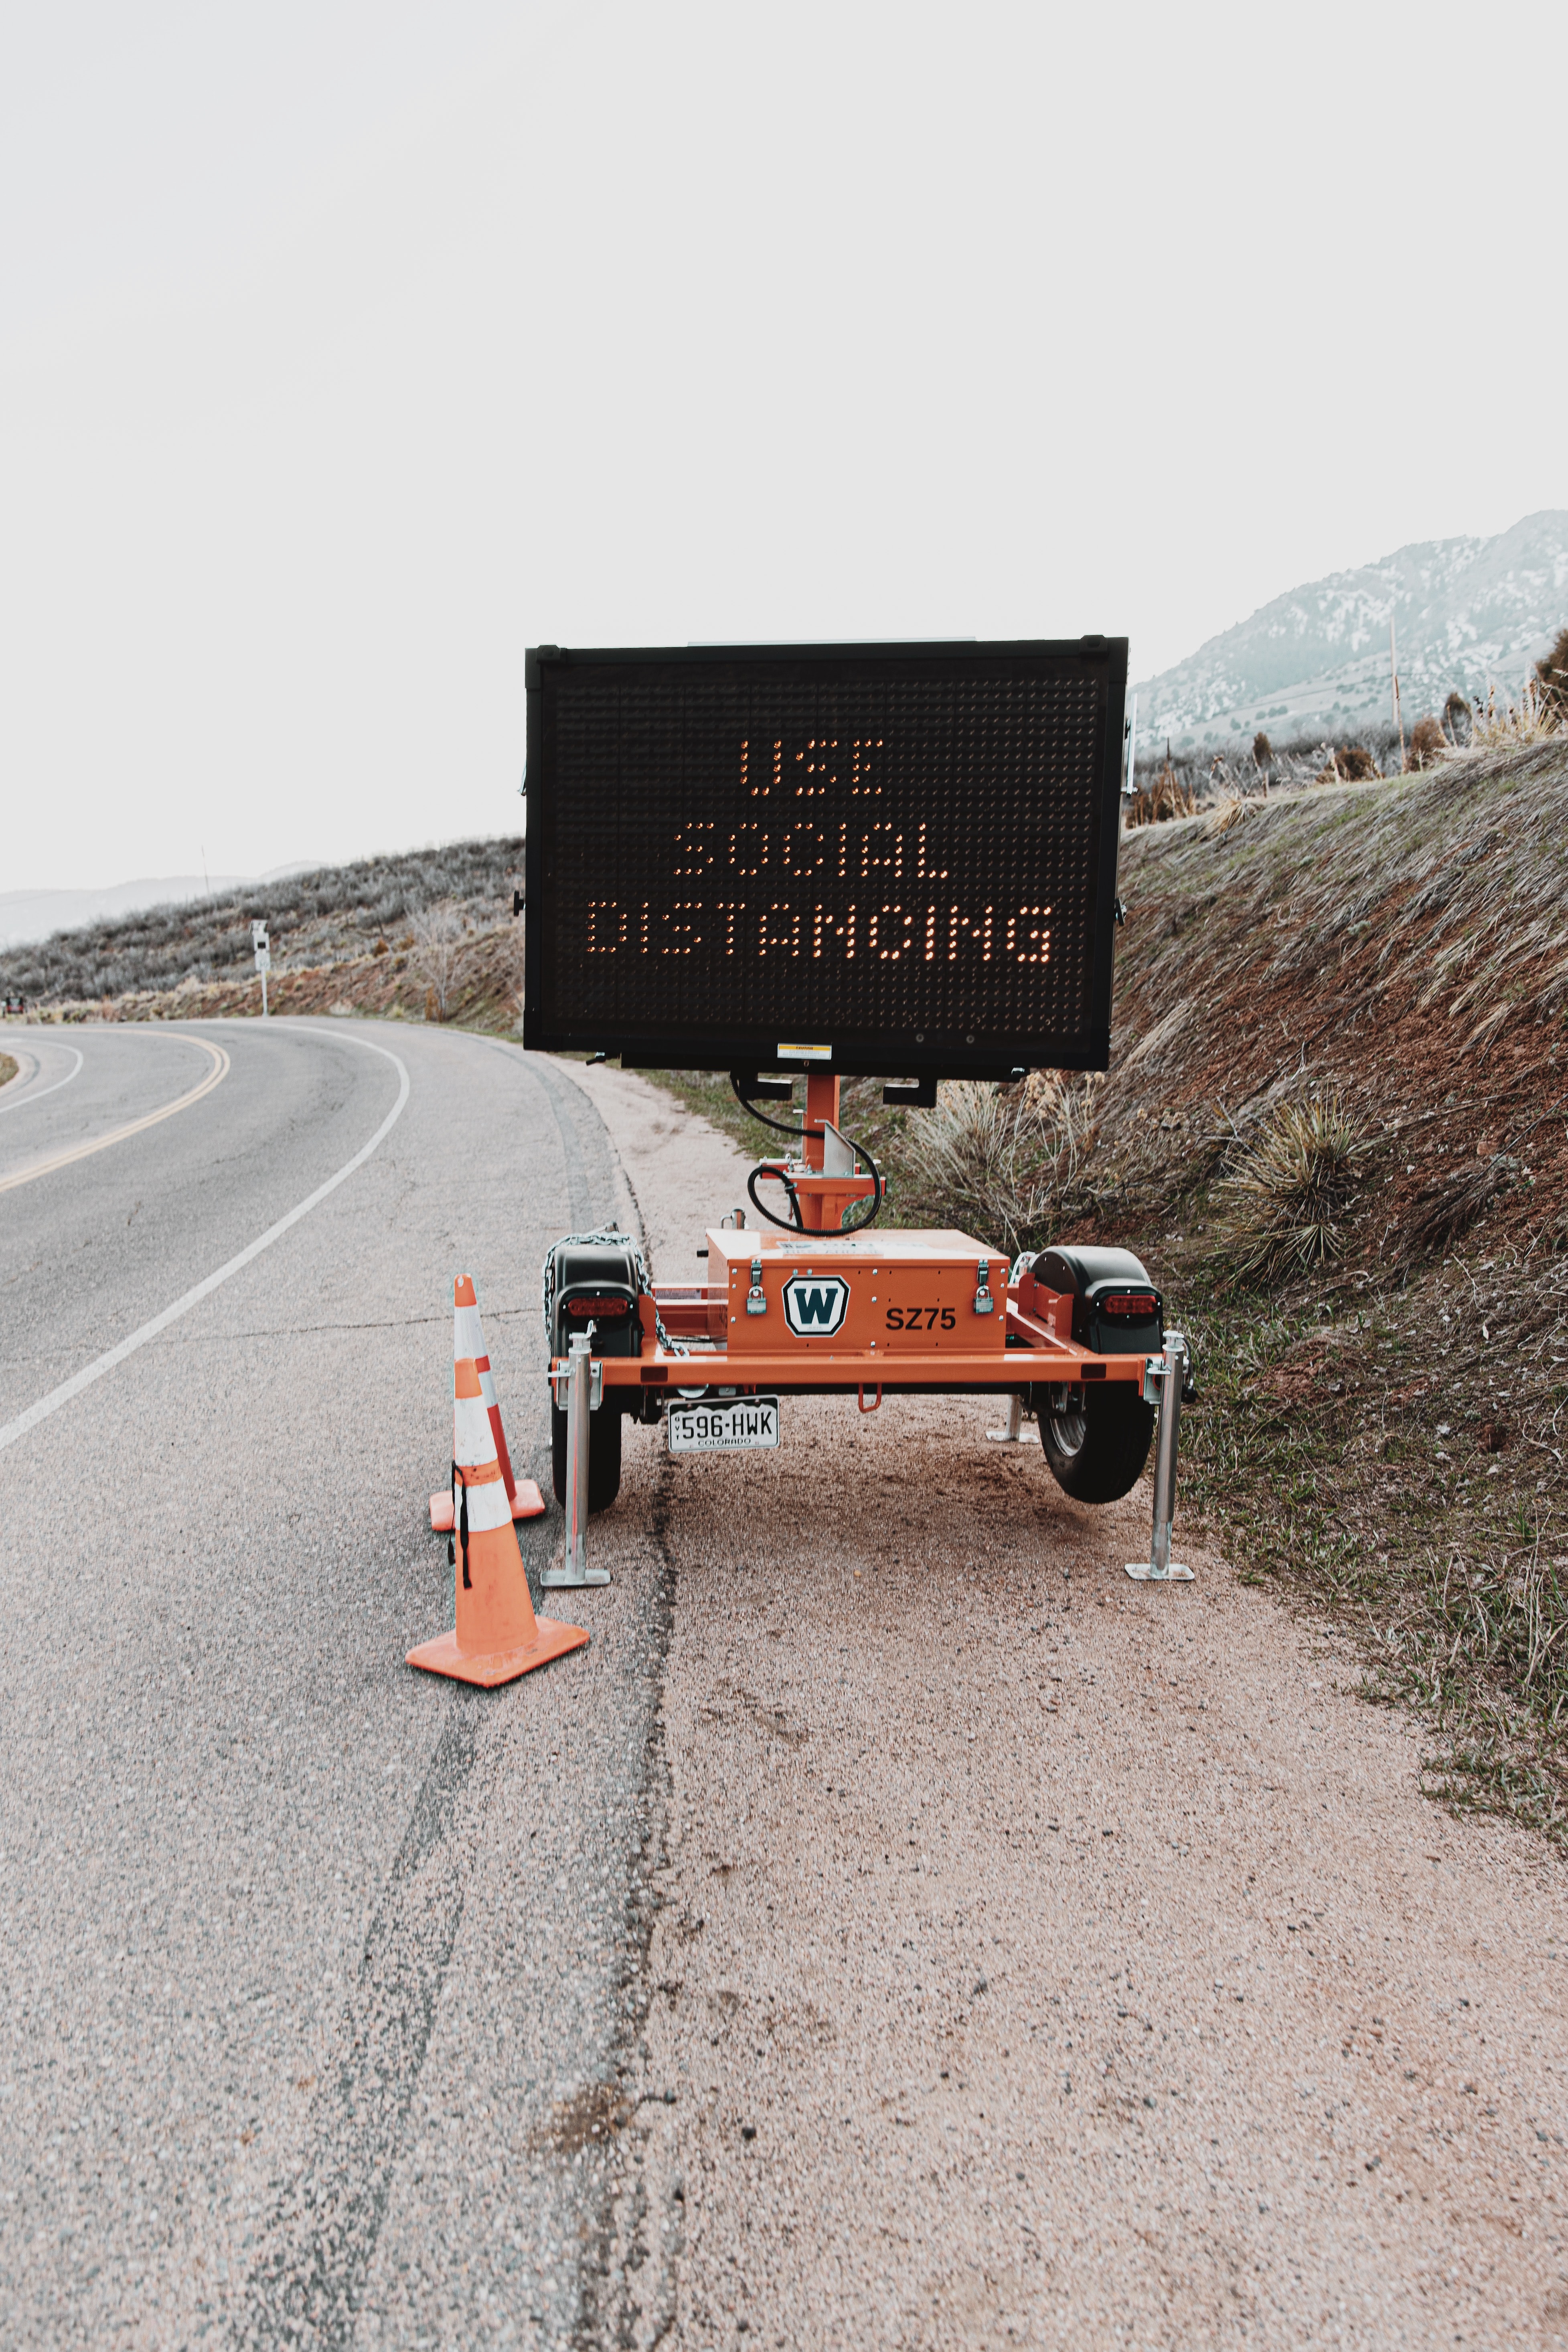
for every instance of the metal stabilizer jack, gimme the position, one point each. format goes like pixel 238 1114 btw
pixel 1013 1434
pixel 582 1381
pixel 1164 1379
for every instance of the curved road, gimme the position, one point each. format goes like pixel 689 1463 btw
pixel 320 1974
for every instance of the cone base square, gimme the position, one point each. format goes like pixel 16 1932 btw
pixel 528 1503
pixel 490 1667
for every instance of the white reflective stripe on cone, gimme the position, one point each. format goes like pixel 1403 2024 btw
pixel 467 1336
pixel 488 1507
pixel 473 1439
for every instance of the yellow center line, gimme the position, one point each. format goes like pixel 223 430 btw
pixel 214 1078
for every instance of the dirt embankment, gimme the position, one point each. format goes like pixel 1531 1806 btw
pixel 1406 941
pixel 1382 1434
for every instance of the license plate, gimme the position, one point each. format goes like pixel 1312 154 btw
pixel 724 1425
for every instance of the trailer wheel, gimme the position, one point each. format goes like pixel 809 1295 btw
pixel 603 1456
pixel 1097 1455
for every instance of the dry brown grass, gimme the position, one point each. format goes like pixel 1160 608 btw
pixel 1231 809
pixel 333 914
pixel 8 1068
pixel 1454 882
pixel 1386 1435
pixel 1004 1161
pixel 1167 797
pixel 1536 718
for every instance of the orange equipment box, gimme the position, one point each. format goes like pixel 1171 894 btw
pixel 873 1295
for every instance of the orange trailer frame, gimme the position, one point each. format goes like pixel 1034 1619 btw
pixel 939 1322
pixel 1027 1342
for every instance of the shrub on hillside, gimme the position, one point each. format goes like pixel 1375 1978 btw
pixel 1427 744
pixel 1291 1189
pixel 438 955
pixel 1456 718
pixel 1552 670
pixel 1353 764
pixel 1207 773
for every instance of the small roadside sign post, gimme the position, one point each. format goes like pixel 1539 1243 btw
pixel 263 959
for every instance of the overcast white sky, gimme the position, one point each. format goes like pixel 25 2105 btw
pixel 346 350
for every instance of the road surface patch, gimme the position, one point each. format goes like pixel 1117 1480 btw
pixel 67 1390
pixel 214 1078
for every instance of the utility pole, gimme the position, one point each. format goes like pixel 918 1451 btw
pixel 1394 673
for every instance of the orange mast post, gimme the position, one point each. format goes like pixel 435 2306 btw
pixel 824 1198
pixel 821 1103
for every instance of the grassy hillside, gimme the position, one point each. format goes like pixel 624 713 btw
pixel 1383 1431
pixel 1383 967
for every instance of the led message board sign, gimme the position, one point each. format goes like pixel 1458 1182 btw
pixel 902 853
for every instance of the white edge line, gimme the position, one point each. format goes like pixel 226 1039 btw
pixel 13 1429
pixel 53 1087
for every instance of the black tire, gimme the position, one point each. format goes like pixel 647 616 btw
pixel 604 1456
pixel 1097 1455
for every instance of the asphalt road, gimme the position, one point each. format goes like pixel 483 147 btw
pixel 321 1982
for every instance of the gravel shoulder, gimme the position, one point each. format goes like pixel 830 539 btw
pixel 1043 1960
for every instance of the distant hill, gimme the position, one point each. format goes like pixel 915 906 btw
pixel 1468 613
pixel 28 914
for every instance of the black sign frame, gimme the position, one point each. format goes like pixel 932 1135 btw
pixel 720 1044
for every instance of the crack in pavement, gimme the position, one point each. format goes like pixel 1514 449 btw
pixel 609 2309
pixel 307 2286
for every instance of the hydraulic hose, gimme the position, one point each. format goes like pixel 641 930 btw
pixel 793 1224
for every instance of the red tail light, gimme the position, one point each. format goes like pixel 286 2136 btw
pixel 603 1310
pixel 1141 1303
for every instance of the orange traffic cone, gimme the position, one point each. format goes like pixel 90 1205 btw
pixel 468 1339
pixel 498 1636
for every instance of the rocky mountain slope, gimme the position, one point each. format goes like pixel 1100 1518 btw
pixel 1468 613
